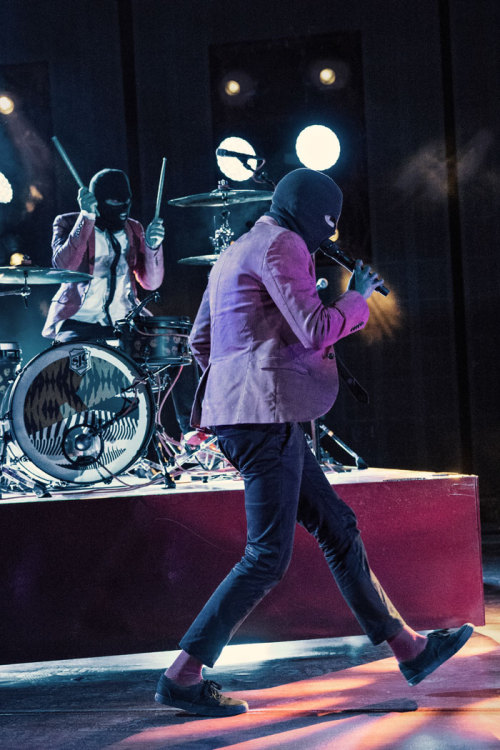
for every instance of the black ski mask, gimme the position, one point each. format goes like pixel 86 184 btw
pixel 111 184
pixel 301 201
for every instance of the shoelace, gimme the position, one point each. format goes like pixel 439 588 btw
pixel 440 633
pixel 211 688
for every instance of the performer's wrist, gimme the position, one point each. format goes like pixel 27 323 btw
pixel 87 214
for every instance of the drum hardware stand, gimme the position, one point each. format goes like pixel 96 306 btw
pixel 223 234
pixel 321 430
pixel 24 292
pixel 10 477
pixel 130 317
pixel 167 479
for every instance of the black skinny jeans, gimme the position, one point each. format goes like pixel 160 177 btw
pixel 285 484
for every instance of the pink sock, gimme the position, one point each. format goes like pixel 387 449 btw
pixel 185 670
pixel 407 644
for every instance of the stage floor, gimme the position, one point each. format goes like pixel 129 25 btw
pixel 306 695
pixel 133 487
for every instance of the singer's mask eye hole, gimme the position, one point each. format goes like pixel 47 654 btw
pixel 330 221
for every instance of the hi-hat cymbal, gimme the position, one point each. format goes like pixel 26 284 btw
pixel 221 197
pixel 38 275
pixel 200 260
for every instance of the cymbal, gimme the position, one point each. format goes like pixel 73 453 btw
pixel 38 275
pixel 200 260
pixel 222 198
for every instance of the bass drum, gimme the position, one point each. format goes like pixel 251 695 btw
pixel 79 413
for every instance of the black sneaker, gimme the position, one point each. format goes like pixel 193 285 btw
pixel 441 645
pixel 203 698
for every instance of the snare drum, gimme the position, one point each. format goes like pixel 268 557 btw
pixel 158 341
pixel 79 413
pixel 10 364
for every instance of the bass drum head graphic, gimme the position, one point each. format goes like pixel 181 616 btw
pixel 79 414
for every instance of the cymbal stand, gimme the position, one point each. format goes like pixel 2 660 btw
pixel 24 292
pixel 223 234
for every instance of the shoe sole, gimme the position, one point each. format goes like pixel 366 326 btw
pixel 194 708
pixel 466 634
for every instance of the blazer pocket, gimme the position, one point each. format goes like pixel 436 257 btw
pixel 279 363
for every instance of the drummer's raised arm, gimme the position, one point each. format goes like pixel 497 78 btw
pixel 70 239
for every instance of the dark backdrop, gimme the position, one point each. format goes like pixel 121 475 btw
pixel 129 82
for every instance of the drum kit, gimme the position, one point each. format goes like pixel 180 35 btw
pixel 84 413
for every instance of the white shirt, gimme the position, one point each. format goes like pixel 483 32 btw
pixel 94 304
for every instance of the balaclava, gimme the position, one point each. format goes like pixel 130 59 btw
pixel 301 201
pixel 111 184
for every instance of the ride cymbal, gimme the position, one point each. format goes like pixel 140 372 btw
pixel 222 197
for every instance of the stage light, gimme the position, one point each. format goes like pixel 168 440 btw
pixel 16 259
pixel 6 192
pixel 327 76
pixel 236 88
pixel 6 105
pixel 317 147
pixel 232 87
pixel 231 166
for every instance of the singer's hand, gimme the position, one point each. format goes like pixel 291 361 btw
pixel 155 233
pixel 363 280
pixel 87 200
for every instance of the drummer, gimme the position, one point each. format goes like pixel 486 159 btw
pixel 103 241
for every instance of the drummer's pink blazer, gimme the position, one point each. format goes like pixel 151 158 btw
pixel 264 338
pixel 73 248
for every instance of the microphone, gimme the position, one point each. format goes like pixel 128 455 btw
pixel 155 296
pixel 333 251
pixel 321 284
pixel 237 155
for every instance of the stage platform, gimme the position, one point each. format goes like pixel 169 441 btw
pixel 114 570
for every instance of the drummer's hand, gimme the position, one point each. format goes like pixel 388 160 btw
pixel 155 233
pixel 87 200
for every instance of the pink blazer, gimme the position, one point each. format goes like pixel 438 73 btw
pixel 73 246
pixel 264 338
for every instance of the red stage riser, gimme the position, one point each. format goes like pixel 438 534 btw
pixel 99 576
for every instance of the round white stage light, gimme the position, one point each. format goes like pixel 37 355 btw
pixel 317 147
pixel 233 167
pixel 6 192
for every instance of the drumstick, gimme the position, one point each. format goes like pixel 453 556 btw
pixel 67 161
pixel 160 188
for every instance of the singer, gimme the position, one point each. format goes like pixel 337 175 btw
pixel 265 342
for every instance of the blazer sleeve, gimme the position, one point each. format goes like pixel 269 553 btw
pixel 148 265
pixel 199 340
pixel 70 237
pixel 288 275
